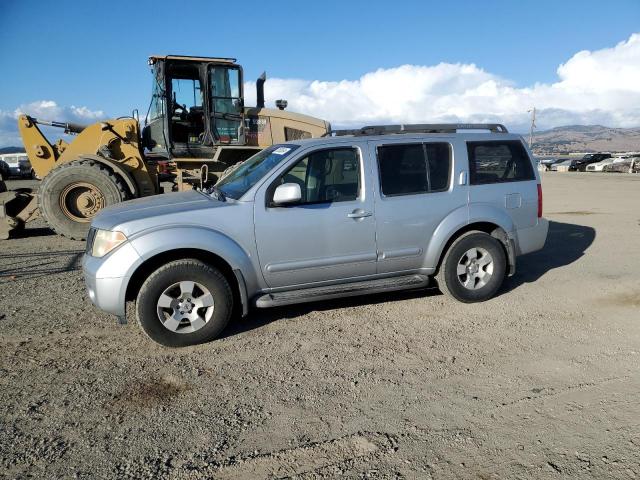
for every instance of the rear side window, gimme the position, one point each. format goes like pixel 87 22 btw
pixel 497 162
pixel 414 168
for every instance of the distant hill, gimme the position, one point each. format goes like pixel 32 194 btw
pixel 586 138
pixel 11 150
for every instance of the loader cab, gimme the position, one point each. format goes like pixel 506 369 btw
pixel 197 105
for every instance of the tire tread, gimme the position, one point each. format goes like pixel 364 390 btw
pixel 61 170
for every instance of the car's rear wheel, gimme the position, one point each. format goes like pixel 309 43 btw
pixel 473 268
pixel 185 302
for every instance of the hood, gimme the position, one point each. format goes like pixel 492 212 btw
pixel 135 215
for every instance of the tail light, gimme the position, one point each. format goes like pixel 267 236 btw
pixel 539 201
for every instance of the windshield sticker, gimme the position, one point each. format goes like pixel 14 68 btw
pixel 281 150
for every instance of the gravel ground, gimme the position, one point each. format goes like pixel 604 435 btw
pixel 541 382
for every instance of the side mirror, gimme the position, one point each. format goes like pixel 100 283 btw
pixel 287 193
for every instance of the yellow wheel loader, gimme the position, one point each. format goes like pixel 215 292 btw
pixel 197 124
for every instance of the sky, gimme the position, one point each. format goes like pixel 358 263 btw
pixel 352 63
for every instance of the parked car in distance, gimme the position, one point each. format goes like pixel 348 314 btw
pixel 4 170
pixel 547 163
pixel 18 164
pixel 580 165
pixel 599 166
pixel 562 163
pixel 627 164
pixel 378 209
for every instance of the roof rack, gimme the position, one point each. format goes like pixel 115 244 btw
pixel 420 128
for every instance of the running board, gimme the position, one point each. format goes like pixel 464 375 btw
pixel 342 290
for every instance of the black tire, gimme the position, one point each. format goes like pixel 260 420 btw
pixel 450 283
pixel 67 182
pixel 188 270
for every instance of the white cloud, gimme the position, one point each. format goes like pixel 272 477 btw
pixel 593 87
pixel 602 86
pixel 45 110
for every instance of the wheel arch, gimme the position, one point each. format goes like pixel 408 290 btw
pixel 150 265
pixel 483 218
pixel 163 246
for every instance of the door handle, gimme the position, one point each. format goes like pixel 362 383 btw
pixel 359 213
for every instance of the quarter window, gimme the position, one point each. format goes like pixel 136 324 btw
pixel 325 176
pixel 407 169
pixel 497 162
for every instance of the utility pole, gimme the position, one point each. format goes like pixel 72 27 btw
pixel 533 125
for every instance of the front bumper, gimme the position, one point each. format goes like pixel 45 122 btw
pixel 107 278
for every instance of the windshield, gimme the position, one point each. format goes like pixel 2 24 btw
pixel 238 182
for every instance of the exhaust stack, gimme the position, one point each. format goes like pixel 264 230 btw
pixel 260 90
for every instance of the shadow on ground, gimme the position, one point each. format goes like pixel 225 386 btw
pixel 31 232
pixel 260 317
pixel 38 264
pixel 566 243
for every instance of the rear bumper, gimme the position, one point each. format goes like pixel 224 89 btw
pixel 533 238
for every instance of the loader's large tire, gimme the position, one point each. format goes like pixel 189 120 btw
pixel 73 193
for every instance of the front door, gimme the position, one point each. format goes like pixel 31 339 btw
pixel 330 234
pixel 227 109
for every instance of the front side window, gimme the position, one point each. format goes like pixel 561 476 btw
pixel 326 176
pixel 409 169
pixel 497 162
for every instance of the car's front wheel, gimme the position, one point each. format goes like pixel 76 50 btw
pixel 185 302
pixel 474 268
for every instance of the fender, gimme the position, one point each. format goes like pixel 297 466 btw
pixel 460 218
pixel 485 212
pixel 117 169
pixel 453 222
pixel 165 239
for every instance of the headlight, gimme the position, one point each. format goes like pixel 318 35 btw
pixel 105 240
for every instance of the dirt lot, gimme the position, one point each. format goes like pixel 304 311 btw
pixel 541 382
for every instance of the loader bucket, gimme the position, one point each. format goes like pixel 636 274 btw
pixel 17 207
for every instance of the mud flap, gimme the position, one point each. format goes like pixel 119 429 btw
pixel 17 207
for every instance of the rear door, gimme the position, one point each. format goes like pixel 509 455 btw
pixel 501 174
pixel 418 187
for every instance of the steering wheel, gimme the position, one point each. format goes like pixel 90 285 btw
pixel 177 106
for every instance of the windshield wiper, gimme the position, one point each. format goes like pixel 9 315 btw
pixel 216 193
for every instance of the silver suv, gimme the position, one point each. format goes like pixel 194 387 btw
pixel 362 211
